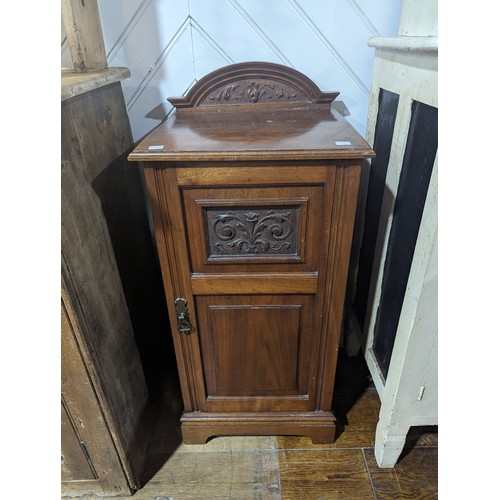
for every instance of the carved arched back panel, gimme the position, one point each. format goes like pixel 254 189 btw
pixel 253 84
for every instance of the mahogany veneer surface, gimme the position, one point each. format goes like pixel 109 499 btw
pixel 253 186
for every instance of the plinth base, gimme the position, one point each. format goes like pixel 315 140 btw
pixel 197 427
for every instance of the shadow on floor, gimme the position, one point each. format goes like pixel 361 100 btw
pixel 351 380
pixel 165 409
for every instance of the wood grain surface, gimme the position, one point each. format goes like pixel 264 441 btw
pixel 94 135
pixel 261 267
pixel 253 111
pixel 109 292
pixel 303 134
pixel 316 474
pixel 263 467
pixel 82 24
pixel 415 476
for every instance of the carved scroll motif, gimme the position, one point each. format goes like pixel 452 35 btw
pixel 253 233
pixel 252 92
pixel 253 83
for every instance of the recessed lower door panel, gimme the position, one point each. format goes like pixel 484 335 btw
pixel 257 351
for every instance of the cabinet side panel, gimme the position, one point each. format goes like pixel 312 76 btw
pixel 167 211
pixel 342 189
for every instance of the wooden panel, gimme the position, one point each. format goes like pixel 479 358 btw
pixel 253 83
pixel 83 30
pixel 254 229
pixel 95 135
pixel 212 174
pixel 253 346
pixel 100 118
pixel 210 136
pixel 270 283
pixel 344 183
pixel 266 234
pixel 74 463
pixel 85 412
pixel 241 365
pixel 167 212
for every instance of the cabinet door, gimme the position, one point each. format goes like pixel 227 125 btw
pixel 251 262
pixel 248 248
pixel 257 351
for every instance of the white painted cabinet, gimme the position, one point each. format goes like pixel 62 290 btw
pixel 405 69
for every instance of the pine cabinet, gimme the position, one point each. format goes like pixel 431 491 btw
pixel 253 186
pixel 104 393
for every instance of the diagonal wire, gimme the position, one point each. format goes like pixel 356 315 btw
pixel 196 26
pixel 366 20
pixel 258 30
pixel 329 47
pixel 158 63
pixel 128 29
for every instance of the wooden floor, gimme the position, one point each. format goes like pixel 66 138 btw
pixel 291 467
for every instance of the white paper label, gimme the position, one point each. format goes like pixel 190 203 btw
pixel 343 143
pixel 156 147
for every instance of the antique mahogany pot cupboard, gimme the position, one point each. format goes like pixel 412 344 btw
pixel 253 186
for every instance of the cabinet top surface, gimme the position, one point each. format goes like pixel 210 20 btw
pixel 253 111
pixel 271 134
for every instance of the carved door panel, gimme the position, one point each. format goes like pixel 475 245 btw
pixel 254 229
pixel 255 255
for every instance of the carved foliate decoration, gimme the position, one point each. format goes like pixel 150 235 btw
pixel 252 92
pixel 255 83
pixel 252 233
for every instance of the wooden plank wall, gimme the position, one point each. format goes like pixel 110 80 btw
pixel 95 135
